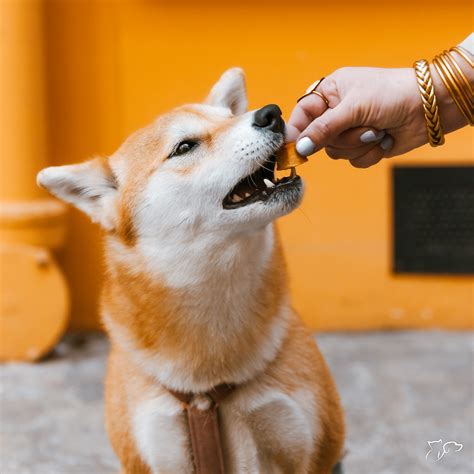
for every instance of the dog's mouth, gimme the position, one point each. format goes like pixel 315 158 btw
pixel 259 186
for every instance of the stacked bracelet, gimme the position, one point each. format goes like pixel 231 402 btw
pixel 462 52
pixel 456 82
pixel 428 99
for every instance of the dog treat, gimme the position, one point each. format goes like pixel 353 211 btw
pixel 288 157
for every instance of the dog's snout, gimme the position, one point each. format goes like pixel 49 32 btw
pixel 269 117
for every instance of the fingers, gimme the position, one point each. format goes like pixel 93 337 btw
pixel 354 143
pixel 291 133
pixel 324 129
pixel 363 156
pixel 358 136
pixel 349 153
pixel 307 109
pixel 387 143
pixel 372 157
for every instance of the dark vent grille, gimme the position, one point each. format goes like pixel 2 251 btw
pixel 433 219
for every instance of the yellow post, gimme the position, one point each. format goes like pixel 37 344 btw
pixel 34 298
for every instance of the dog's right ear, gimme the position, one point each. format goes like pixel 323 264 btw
pixel 230 91
pixel 89 186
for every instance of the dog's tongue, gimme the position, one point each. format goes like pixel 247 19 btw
pixel 288 157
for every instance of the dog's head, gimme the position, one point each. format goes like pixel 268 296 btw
pixel 201 168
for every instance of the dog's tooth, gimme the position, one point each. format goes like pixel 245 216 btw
pixel 268 183
pixel 247 195
pixel 236 198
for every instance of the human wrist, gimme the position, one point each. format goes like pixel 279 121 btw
pixel 450 115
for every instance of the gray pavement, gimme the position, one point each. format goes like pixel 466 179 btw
pixel 400 390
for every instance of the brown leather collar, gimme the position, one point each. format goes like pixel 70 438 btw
pixel 204 429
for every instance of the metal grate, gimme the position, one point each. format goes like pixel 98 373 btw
pixel 433 219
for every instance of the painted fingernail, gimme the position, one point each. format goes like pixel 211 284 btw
pixel 386 143
pixel 305 146
pixel 370 136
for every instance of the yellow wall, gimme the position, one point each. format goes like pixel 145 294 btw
pixel 114 65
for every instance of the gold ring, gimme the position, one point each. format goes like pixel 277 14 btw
pixel 322 97
pixel 312 90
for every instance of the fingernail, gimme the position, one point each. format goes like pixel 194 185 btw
pixel 386 143
pixel 370 136
pixel 305 146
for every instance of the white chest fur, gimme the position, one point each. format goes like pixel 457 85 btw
pixel 161 435
pixel 258 425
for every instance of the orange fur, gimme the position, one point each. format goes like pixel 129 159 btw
pixel 233 323
pixel 157 318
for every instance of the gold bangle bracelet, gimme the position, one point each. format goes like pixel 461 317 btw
pixel 443 74
pixel 451 84
pixel 428 100
pixel 463 83
pixel 456 85
pixel 462 52
pixel 466 86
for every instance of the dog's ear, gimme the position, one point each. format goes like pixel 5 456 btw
pixel 89 186
pixel 230 91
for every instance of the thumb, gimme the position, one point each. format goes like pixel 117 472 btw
pixel 322 130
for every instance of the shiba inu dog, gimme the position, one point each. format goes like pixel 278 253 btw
pixel 196 294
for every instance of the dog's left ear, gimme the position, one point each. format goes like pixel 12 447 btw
pixel 89 186
pixel 230 91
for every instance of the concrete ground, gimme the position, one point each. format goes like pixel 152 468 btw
pixel 400 390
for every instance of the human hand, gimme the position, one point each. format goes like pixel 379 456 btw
pixel 374 113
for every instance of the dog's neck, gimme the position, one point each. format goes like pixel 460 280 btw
pixel 201 314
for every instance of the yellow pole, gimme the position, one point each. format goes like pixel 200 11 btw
pixel 34 300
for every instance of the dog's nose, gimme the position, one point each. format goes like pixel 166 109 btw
pixel 269 117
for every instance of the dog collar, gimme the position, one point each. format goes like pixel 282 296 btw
pixel 204 429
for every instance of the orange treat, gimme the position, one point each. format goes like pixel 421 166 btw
pixel 288 157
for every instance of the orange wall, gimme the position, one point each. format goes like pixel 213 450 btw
pixel 114 65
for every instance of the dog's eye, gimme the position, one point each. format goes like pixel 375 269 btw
pixel 184 147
